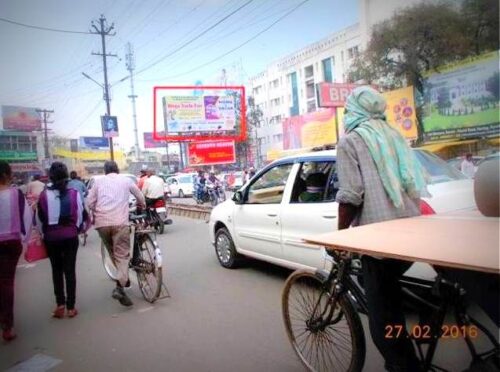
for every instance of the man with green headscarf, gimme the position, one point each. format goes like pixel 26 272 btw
pixel 379 179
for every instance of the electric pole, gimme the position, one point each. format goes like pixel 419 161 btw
pixel 104 31
pixel 130 61
pixel 45 117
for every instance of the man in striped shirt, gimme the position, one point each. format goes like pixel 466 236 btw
pixel 108 200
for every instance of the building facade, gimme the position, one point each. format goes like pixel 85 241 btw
pixel 287 87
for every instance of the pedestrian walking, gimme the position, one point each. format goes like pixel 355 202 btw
pixel 379 179
pixel 15 225
pixel 108 202
pixel 60 216
pixel 467 167
pixel 77 184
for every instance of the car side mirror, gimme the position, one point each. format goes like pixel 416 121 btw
pixel 238 197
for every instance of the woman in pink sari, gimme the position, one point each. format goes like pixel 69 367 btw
pixel 15 224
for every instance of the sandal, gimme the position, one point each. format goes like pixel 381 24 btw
pixel 8 335
pixel 72 313
pixel 58 312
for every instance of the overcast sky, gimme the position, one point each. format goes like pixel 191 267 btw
pixel 43 69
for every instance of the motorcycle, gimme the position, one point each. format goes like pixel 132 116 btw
pixel 156 214
pixel 216 193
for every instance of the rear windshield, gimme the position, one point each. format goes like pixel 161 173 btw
pixel 438 170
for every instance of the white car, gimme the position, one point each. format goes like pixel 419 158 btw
pixel 181 185
pixel 266 219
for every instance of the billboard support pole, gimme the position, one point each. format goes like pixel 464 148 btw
pixel 105 31
pixel 45 130
pixel 133 96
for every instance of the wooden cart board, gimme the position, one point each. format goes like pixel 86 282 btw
pixel 465 240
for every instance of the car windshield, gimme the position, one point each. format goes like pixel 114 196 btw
pixel 437 169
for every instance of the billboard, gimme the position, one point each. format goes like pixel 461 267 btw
pixel 309 130
pixel 94 142
pixel 109 126
pixel 150 143
pixel 461 100
pixel 333 94
pixel 199 113
pixel 21 119
pixel 18 155
pixel 211 153
pixel 400 111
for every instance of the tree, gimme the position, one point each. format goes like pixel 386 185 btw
pixel 493 86
pixel 481 23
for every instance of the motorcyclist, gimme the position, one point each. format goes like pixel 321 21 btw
pixel 153 188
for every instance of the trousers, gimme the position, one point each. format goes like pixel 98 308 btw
pixel 62 255
pixel 117 242
pixel 10 250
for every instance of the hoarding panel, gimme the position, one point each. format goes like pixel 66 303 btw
pixel 211 153
pixel 22 119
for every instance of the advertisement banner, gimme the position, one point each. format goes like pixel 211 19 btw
pixel 461 101
pixel 309 130
pixel 18 155
pixel 22 119
pixel 211 153
pixel 94 142
pixel 400 111
pixel 333 94
pixel 109 126
pixel 150 143
pixel 199 113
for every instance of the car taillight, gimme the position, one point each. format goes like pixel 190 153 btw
pixel 425 208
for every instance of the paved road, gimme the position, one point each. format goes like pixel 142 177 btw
pixel 216 320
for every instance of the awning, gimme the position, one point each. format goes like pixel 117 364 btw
pixel 438 146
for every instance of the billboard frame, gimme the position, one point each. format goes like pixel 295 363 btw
pixel 240 137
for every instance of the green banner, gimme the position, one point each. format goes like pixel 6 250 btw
pixel 16 155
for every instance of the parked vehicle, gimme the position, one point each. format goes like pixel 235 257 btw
pixel 267 220
pixel 181 185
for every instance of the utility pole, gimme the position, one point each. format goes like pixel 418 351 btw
pixel 130 61
pixel 104 31
pixel 45 116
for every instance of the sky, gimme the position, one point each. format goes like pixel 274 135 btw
pixel 44 69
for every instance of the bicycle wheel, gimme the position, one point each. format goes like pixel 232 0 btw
pixel 148 268
pixel 108 263
pixel 337 345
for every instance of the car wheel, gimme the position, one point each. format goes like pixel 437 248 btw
pixel 181 194
pixel 225 249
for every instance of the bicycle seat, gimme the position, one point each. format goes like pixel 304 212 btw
pixel 135 217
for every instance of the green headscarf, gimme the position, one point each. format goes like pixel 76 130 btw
pixel 396 162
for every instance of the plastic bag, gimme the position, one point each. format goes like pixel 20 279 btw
pixel 35 250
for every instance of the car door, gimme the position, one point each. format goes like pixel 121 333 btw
pixel 257 222
pixel 303 215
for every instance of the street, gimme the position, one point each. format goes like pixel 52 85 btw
pixel 215 320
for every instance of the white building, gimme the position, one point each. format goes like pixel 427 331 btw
pixel 287 87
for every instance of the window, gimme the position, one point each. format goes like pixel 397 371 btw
pixel 269 187
pixel 327 70
pixel 309 72
pixel 311 106
pixel 352 52
pixel 316 182
pixel 310 90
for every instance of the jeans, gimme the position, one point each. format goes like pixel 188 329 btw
pixel 62 255
pixel 10 250
pixel 385 308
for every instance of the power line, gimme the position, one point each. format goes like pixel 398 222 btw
pixel 238 46
pixel 43 28
pixel 190 41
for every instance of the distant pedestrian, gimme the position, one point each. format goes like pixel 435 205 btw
pixel 143 176
pixel 77 184
pixel 15 225
pixel 467 167
pixel 108 201
pixel 34 189
pixel 60 215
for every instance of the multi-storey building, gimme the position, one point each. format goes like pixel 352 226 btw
pixel 287 87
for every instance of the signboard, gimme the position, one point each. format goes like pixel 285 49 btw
pixel 461 101
pixel 25 167
pixel 109 126
pixel 199 113
pixel 309 130
pixel 150 143
pixel 22 119
pixel 94 142
pixel 400 111
pixel 18 155
pixel 333 94
pixel 211 153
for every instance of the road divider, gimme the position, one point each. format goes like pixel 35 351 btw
pixel 199 212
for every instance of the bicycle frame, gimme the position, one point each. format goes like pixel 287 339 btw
pixel 339 281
